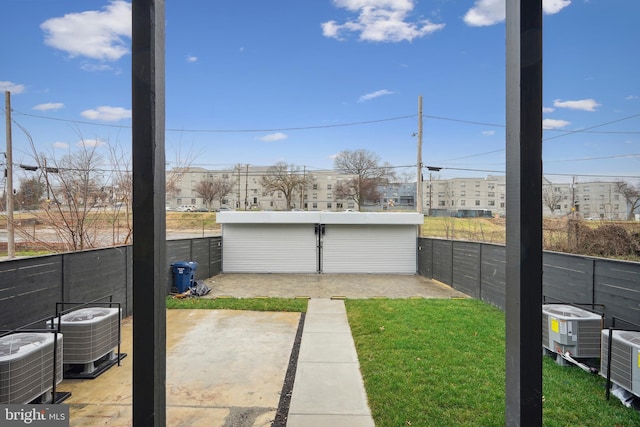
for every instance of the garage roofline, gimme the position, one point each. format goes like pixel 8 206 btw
pixel 317 217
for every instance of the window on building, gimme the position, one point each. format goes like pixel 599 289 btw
pixel 315 196
pixel 492 202
pixel 491 195
pixel 315 205
pixel 477 184
pixel 502 204
pixel 328 205
pixel 491 186
pixel 329 196
pixel 255 200
pixel 279 195
pixel 463 193
pixel 338 205
pixel 477 194
pixel 477 202
pixel 441 203
pixel 179 201
pixel 271 203
pixel 315 186
pixel 328 186
pixel 585 189
pixel 557 207
pixel 463 203
pixel 225 176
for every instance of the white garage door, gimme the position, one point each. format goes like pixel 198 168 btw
pixel 377 249
pixel 269 248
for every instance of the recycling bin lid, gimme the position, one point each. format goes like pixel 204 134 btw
pixel 184 264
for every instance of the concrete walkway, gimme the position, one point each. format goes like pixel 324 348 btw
pixel 328 388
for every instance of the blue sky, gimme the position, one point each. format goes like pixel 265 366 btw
pixel 258 82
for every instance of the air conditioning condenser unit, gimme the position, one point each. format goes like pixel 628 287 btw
pixel 625 359
pixel 569 329
pixel 26 367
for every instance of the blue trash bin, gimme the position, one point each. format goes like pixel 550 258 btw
pixel 183 273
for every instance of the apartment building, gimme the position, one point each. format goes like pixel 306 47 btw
pixel 593 200
pixel 247 192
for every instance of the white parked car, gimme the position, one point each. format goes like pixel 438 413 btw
pixel 186 208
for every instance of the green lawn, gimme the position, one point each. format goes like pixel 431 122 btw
pixel 428 362
pixel 441 363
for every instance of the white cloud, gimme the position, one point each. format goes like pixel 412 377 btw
pixel 372 95
pixel 582 104
pixel 62 145
pixel 490 12
pixel 49 106
pixel 191 58
pixel 94 34
pixel 379 21
pixel 278 136
pixel 12 87
pixel 107 114
pixel 554 124
pixel 488 132
pixel 548 109
pixel 630 97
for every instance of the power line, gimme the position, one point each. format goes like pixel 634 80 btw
pixel 365 122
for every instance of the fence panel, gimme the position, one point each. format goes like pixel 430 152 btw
pixel 617 286
pixel 442 261
pixel 567 278
pixel 200 254
pixel 466 271
pixel 425 257
pixel 93 274
pixel 215 256
pixel 493 275
pixel 30 289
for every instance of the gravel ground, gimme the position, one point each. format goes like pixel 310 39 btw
pixel 352 286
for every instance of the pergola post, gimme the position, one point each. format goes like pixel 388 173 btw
pixel 524 214
pixel 149 227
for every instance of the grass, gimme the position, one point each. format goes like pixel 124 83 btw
pixel 254 304
pixel 441 363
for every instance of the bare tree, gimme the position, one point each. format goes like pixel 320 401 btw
pixel 552 196
pixel 285 178
pixel 221 189
pixel 631 194
pixel 30 194
pixel 72 184
pixel 368 171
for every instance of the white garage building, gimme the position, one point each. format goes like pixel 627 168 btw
pixel 319 242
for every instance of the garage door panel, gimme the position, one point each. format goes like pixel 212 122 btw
pixel 269 248
pixel 369 249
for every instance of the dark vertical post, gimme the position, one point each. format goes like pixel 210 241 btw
pixel 524 213
pixel 149 228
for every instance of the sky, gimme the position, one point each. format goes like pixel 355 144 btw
pixel 259 82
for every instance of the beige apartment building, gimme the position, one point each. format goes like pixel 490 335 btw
pixel 592 200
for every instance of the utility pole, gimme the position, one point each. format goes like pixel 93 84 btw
pixel 246 187
pixel 304 184
pixel 11 249
pixel 419 162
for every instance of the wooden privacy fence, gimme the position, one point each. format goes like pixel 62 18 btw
pixel 478 269
pixel 31 287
